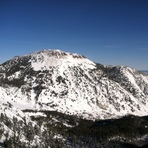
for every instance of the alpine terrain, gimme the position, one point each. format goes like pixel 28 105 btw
pixel 56 99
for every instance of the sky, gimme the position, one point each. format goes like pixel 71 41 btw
pixel 110 32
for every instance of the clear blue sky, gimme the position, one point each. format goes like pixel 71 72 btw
pixel 111 32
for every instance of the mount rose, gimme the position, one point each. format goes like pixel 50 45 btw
pixel 59 82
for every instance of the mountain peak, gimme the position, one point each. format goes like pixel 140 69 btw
pixel 49 52
pixel 49 58
pixel 57 53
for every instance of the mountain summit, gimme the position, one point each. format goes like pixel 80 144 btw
pixel 54 80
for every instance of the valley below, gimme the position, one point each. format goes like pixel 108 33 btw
pixel 54 129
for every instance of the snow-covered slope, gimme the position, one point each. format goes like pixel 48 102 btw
pixel 72 84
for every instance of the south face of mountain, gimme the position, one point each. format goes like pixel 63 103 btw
pixel 54 80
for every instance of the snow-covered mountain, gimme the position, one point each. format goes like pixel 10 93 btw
pixel 72 84
pixel 47 93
